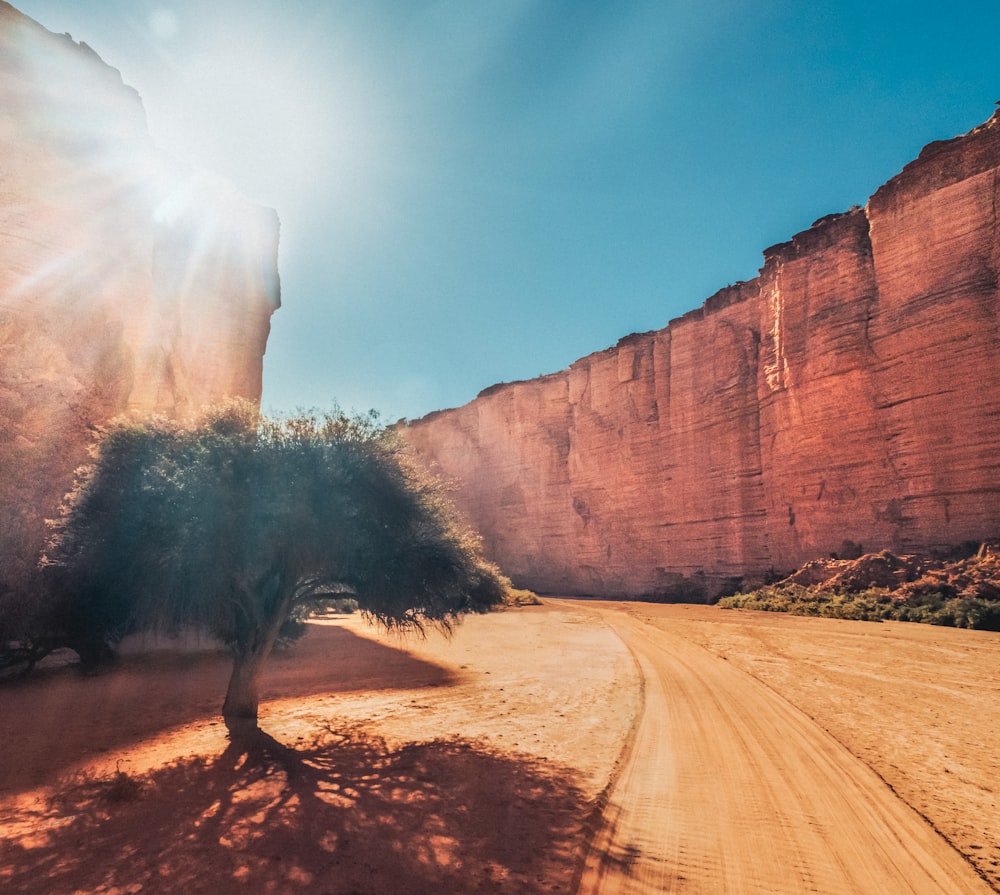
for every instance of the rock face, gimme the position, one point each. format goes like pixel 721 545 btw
pixel 126 281
pixel 848 395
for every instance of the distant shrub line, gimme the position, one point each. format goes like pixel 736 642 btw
pixel 872 604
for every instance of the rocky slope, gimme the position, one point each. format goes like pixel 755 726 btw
pixel 847 395
pixel 960 590
pixel 126 281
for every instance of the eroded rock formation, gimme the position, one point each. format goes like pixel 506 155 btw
pixel 848 394
pixel 126 281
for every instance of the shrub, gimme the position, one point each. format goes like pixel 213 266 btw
pixel 239 524
pixel 928 606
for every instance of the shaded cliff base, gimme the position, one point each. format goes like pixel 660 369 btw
pixel 960 590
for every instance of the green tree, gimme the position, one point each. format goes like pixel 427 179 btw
pixel 232 524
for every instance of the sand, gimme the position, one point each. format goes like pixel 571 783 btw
pixel 507 759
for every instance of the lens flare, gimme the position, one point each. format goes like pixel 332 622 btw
pixel 137 270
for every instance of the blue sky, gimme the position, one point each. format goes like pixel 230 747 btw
pixel 483 191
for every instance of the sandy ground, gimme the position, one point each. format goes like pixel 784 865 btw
pixel 918 704
pixel 510 758
pixel 469 764
pixel 780 755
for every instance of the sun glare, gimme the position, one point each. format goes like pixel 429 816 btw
pixel 261 106
pixel 164 24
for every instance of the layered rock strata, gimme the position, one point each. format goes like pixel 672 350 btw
pixel 127 282
pixel 848 395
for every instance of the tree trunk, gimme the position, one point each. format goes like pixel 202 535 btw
pixel 243 695
pixel 239 711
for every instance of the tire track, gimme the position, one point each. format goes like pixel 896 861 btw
pixel 727 788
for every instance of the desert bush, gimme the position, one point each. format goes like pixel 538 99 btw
pixel 926 606
pixel 332 606
pixel 519 597
pixel 233 524
pixel 983 615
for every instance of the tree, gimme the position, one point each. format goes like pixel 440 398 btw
pixel 230 524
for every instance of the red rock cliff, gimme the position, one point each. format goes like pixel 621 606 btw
pixel 851 392
pixel 126 281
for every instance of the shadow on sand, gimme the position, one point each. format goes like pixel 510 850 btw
pixel 52 720
pixel 345 814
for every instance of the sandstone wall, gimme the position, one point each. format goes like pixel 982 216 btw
pixel 849 393
pixel 126 281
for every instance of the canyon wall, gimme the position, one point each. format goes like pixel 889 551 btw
pixel 127 282
pixel 849 395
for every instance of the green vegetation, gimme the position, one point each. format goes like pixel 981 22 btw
pixel 959 588
pixel 933 606
pixel 519 597
pixel 238 525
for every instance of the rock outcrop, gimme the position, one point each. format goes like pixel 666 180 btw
pixel 848 395
pixel 127 282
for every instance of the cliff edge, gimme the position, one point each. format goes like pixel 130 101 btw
pixel 848 395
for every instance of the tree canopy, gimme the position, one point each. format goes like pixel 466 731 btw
pixel 230 524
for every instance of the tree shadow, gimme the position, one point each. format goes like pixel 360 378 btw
pixel 344 815
pixel 48 722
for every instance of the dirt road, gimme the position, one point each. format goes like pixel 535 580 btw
pixel 762 754
pixel 729 788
